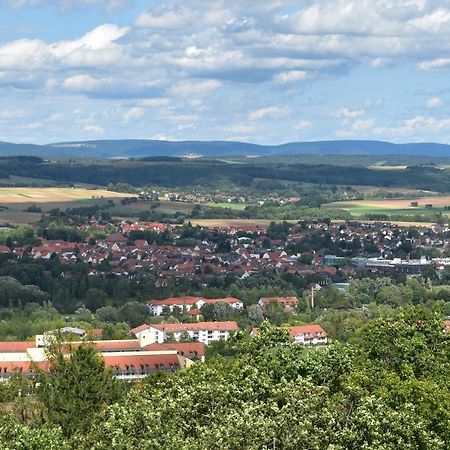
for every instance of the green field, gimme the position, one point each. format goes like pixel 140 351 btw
pixel 397 207
pixel 234 206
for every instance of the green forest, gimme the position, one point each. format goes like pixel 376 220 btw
pixel 212 172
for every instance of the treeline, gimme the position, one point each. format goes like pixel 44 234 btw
pixel 214 173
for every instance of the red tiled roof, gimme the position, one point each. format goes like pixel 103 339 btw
pixel 313 330
pixel 188 348
pixel 175 301
pixel 280 300
pixel 139 329
pixel 153 361
pixel 16 347
pixel 221 300
pixel 210 326
pixel 111 346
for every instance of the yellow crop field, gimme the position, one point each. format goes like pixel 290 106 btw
pixel 15 200
pixel 51 195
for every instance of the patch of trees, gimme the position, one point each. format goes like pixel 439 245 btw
pixel 389 391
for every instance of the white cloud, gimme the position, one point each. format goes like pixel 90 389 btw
pixel 303 125
pixel 169 20
pixel 362 125
pixel 84 83
pixel 151 102
pixel 12 114
pixel 269 111
pixel 194 88
pixel 349 112
pixel 434 64
pixel 354 129
pixel 434 102
pixel 134 113
pixel 93 128
pixel 291 76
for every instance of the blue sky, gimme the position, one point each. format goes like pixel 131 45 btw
pixel 268 71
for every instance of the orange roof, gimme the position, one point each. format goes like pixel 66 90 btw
pixel 111 346
pixel 185 348
pixel 192 300
pixel 16 347
pixel 221 300
pixel 176 301
pixel 313 330
pixel 188 348
pixel 281 300
pixel 153 361
pixel 194 312
pixel 209 326
pixel 138 329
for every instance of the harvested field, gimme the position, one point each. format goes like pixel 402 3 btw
pixel 231 222
pixel 14 200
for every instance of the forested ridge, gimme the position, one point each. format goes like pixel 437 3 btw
pixel 209 172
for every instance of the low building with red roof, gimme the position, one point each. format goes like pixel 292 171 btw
pixel 130 359
pixel 157 307
pixel 308 335
pixel 288 303
pixel 203 332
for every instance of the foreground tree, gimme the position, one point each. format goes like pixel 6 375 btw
pixel 76 387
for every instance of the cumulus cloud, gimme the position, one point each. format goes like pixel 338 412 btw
pixel 434 102
pixel 224 59
pixel 291 76
pixel 349 112
pixel 134 113
pixel 93 128
pixel 267 112
pixel 303 125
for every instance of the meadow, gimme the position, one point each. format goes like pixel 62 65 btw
pixel 397 207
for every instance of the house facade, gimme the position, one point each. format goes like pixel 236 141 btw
pixel 185 304
pixel 308 335
pixel 203 332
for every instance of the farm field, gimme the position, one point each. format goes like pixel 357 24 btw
pixel 13 201
pixel 230 222
pixel 396 190
pixel 234 206
pixel 396 206
pixel 165 206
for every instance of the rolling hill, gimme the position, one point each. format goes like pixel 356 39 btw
pixel 135 148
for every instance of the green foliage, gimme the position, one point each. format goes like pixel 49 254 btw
pixel 76 388
pixel 17 436
pixel 389 392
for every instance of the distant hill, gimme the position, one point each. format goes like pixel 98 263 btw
pixel 135 148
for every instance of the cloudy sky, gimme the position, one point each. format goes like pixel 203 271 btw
pixel 267 71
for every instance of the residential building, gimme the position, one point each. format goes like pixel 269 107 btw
pixel 308 335
pixel 185 304
pixel 288 303
pixel 130 360
pixel 204 332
